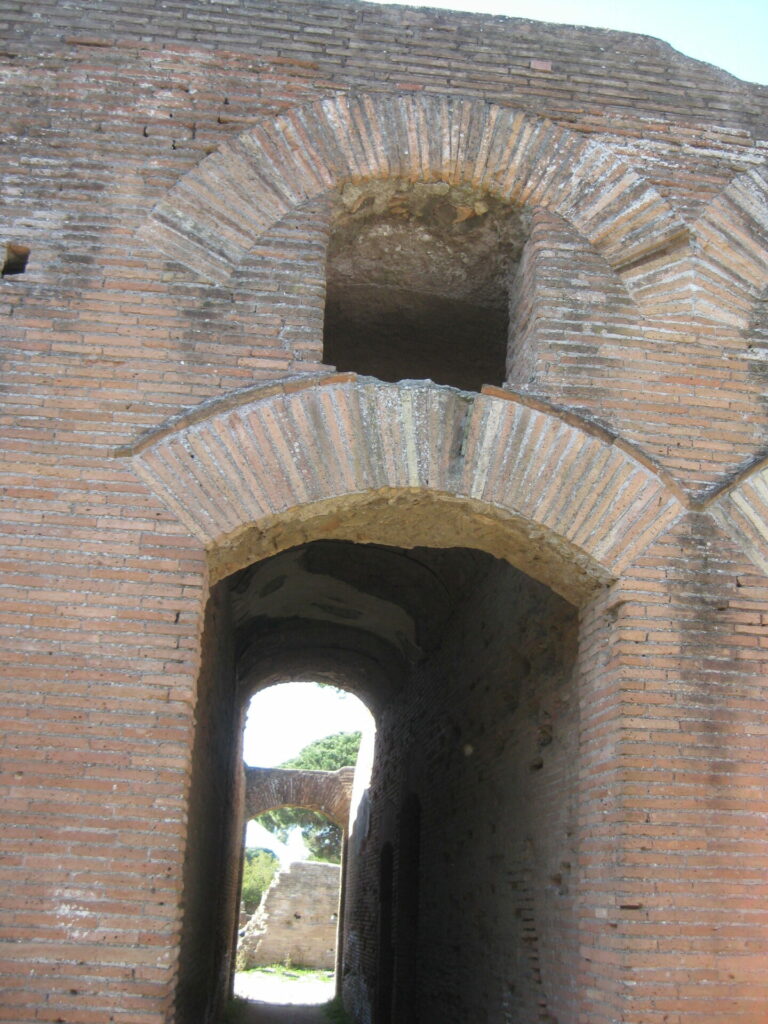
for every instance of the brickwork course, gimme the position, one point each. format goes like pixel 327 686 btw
pixel 510 487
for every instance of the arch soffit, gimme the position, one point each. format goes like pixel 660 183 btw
pixel 265 663
pixel 319 452
pixel 213 216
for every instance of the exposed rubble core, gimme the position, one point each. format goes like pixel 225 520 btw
pixel 418 282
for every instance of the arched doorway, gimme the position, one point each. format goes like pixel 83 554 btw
pixel 470 666
pixel 476 484
pixel 572 515
pixel 297 807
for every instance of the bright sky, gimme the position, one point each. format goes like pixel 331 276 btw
pixel 283 719
pixel 732 34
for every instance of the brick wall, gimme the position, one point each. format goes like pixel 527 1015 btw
pixel 296 921
pixel 214 824
pixel 639 304
pixel 670 835
pixel 486 738
pixel 327 793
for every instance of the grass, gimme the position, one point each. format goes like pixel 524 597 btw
pixel 333 1010
pixel 291 971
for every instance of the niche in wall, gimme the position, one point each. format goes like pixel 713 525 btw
pixel 418 282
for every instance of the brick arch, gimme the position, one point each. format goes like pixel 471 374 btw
pixel 732 235
pixel 328 793
pixel 300 653
pixel 212 217
pixel 358 459
pixel 742 511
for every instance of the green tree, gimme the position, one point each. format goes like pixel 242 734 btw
pixel 259 867
pixel 322 837
pixel 327 754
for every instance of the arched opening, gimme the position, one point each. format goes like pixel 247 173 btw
pixel 471 654
pixel 418 282
pixel 468 665
pixel 301 745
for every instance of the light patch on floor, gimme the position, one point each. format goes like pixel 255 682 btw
pixel 283 991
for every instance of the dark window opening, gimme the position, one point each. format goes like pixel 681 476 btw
pixel 418 283
pixel 16 257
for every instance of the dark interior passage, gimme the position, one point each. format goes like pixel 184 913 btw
pixel 458 902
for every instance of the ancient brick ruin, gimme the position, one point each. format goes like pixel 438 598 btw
pixel 423 353
pixel 297 920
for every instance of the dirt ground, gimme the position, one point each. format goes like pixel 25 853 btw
pixel 270 1013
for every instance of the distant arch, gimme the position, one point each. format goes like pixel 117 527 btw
pixel 328 793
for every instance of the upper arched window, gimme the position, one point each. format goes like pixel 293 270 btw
pixel 418 279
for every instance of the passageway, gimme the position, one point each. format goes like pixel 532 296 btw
pixel 255 1013
pixel 458 904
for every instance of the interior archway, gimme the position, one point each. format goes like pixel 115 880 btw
pixel 357 459
pixel 471 670
pixel 351 461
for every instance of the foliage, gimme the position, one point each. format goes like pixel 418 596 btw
pixel 321 836
pixel 259 867
pixel 327 754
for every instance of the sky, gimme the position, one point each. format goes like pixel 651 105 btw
pixel 281 720
pixel 732 34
